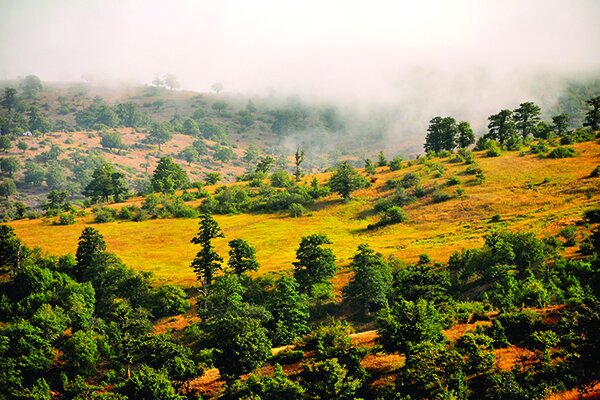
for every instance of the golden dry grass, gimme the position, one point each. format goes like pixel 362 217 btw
pixel 514 187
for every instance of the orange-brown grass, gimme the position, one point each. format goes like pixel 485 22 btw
pixel 574 395
pixel 458 330
pixel 507 358
pixel 514 187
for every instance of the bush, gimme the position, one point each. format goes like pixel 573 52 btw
pixel 592 216
pixel 439 196
pixel 168 300
pixel 453 180
pixel 66 219
pixel 296 210
pixel 493 149
pixel 473 169
pixel 396 163
pixel 562 152
pixel 595 172
pixel 104 214
pixel 570 235
pixel 410 180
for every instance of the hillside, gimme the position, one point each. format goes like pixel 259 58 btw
pixel 528 192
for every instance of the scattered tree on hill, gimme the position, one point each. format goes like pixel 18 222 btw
pixel 501 126
pixel 219 106
pixel 90 251
pixel 7 188
pixel 217 87
pixel 21 145
pixel 31 85
pixel 346 180
pixel 264 165
pixel 106 182
pixel 242 257
pixel 172 82
pixel 381 161
pixel 241 345
pixel 160 133
pixel 168 176
pixel 371 284
pixel 224 154
pixel 207 261
pixel 315 265
pixel 560 124
pixel 9 99
pixel 212 178
pixel 34 174
pixel 130 115
pixel 466 137
pixel 526 118
pixel 56 176
pixel 251 154
pixel 57 201
pixel 290 312
pixel 441 135
pixel 370 167
pixel 5 143
pixel 592 117
pixel 298 159
pixel 112 140
pixel 406 324
pixel 38 121
pixel 9 166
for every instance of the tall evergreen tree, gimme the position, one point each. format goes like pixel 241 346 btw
pixel 207 261
pixel 501 127
pixel 526 118
pixel 442 134
pixel 290 312
pixel 466 137
pixel 90 250
pixel 315 264
pixel 168 176
pixel 346 180
pixel 242 257
pixel 560 124
pixel 592 117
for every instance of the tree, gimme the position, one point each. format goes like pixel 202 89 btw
pixel 560 124
pixel 224 154
pixel 370 167
pixel 241 345
pixel 148 384
pixel 34 174
pixel 381 161
pixel 56 176
pixel 592 117
pixel 315 265
pixel 91 249
pixel 242 257
pixel 501 126
pixel 526 118
pixel 290 312
pixel 251 154
pixel 5 143
pixel 9 100
pixel 328 380
pixel 212 178
pixel 81 352
pixel 346 180
pixel 168 176
pixel 130 115
pixel 21 145
pixel 105 183
pixel 298 159
pixel 172 82
pixel 264 165
pixel 408 323
pixel 9 166
pixel 217 87
pixel 112 140
pixel 189 154
pixel 38 121
pixel 466 137
pixel 219 106
pixel 207 261
pixel 31 85
pixel 160 133
pixel 11 250
pixel 371 284
pixel 7 187
pixel 441 134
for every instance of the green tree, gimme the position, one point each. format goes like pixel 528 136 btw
pixel 31 85
pixel 251 154
pixel 57 201
pixel 264 165
pixel 38 121
pixel 189 154
pixel 130 115
pixel 168 176
pixel 106 182
pixel 212 178
pixel 290 312
pixel 298 159
pixel 328 380
pixel 316 264
pixel 370 167
pixel 526 118
pixel 441 135
pixel 265 387
pixel 91 249
pixel 148 384
pixel 219 106
pixel 81 353
pixel 56 176
pixel 371 284
pixel 9 99
pixel 5 143
pixel 112 140
pixel 560 124
pixel 592 116
pixel 501 127
pixel 34 174
pixel 381 161
pixel 242 257
pixel 224 154
pixel 160 133
pixel 466 137
pixel 207 261
pixel 7 187
pixel 21 145
pixel 11 249
pixel 346 180
pixel 241 345
pixel 406 324
pixel 9 166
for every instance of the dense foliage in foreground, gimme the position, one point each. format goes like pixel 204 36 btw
pixel 82 326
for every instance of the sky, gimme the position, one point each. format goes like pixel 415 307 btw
pixel 448 55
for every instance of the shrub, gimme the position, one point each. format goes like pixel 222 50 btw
pixel 396 163
pixel 453 180
pixel 595 172
pixel 393 215
pixel 66 219
pixel 104 214
pixel 473 169
pixel 493 149
pixel 439 196
pixel 562 152
pixel 296 210
pixel 570 235
pixel 592 216
pixel 410 180
pixel 540 148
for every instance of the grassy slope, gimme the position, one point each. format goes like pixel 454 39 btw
pixel 514 188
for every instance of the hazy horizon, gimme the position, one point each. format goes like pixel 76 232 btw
pixel 464 58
